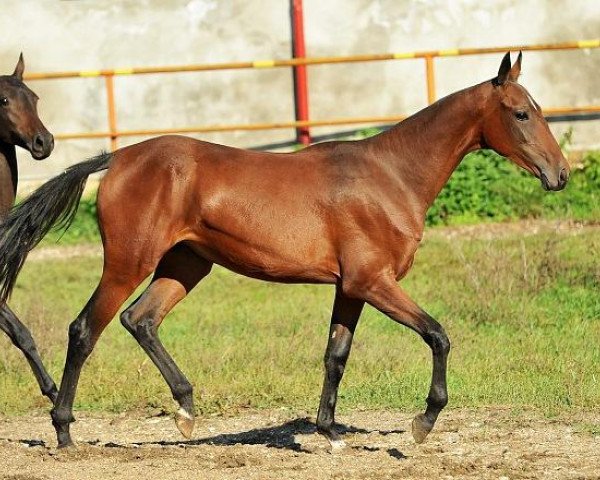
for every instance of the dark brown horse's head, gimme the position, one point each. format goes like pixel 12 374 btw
pixel 19 121
pixel 515 127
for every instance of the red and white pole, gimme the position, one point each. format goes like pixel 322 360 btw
pixel 300 78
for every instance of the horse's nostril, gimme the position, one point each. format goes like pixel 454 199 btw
pixel 38 141
pixel 564 175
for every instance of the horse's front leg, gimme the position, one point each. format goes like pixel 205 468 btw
pixel 383 293
pixel 344 318
pixel 22 339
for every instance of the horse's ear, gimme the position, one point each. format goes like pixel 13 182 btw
pixel 515 70
pixel 20 68
pixel 504 70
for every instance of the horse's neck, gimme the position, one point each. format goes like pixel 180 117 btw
pixel 424 150
pixel 8 177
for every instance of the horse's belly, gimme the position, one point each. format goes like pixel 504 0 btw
pixel 291 251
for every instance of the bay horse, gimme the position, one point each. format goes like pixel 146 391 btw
pixel 20 125
pixel 349 214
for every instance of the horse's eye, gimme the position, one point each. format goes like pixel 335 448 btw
pixel 521 116
pixel 3 101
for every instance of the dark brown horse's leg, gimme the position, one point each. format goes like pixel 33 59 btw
pixel 84 332
pixel 178 272
pixel 385 295
pixel 344 318
pixel 22 339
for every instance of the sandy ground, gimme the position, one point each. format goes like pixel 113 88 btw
pixel 480 444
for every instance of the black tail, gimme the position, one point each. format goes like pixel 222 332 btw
pixel 54 204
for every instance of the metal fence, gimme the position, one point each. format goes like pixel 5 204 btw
pixel 113 132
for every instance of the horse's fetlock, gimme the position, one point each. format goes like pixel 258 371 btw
pixel 182 390
pixel 61 416
pixel 438 397
pixel 325 420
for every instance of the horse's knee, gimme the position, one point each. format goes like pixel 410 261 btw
pixel 438 340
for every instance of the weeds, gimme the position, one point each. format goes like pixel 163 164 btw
pixel 522 313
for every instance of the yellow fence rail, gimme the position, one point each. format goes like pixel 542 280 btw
pixel 113 133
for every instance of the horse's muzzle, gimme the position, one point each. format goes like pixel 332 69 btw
pixel 561 180
pixel 41 145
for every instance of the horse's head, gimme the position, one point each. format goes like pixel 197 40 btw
pixel 19 121
pixel 515 127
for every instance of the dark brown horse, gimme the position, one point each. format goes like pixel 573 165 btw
pixel 20 125
pixel 350 214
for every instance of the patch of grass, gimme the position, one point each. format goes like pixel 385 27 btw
pixel 522 313
pixel 592 429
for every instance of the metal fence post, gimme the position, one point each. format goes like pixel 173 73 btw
pixel 112 113
pixel 430 79
pixel 300 78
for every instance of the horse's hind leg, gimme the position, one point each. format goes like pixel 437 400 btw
pixel 344 318
pixel 22 339
pixel 112 291
pixel 178 272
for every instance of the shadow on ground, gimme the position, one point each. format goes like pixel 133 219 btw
pixel 281 436
pixel 278 436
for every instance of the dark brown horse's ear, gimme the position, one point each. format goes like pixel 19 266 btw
pixel 20 68
pixel 515 70
pixel 504 70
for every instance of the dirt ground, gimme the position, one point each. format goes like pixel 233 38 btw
pixel 481 444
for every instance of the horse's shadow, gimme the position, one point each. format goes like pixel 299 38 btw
pixel 283 436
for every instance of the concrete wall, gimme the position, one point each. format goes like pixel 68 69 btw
pixel 92 34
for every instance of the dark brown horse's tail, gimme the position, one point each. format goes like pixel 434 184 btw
pixel 54 204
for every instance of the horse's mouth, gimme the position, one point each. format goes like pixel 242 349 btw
pixel 545 183
pixel 40 155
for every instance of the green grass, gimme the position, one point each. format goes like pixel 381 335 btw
pixel 523 315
